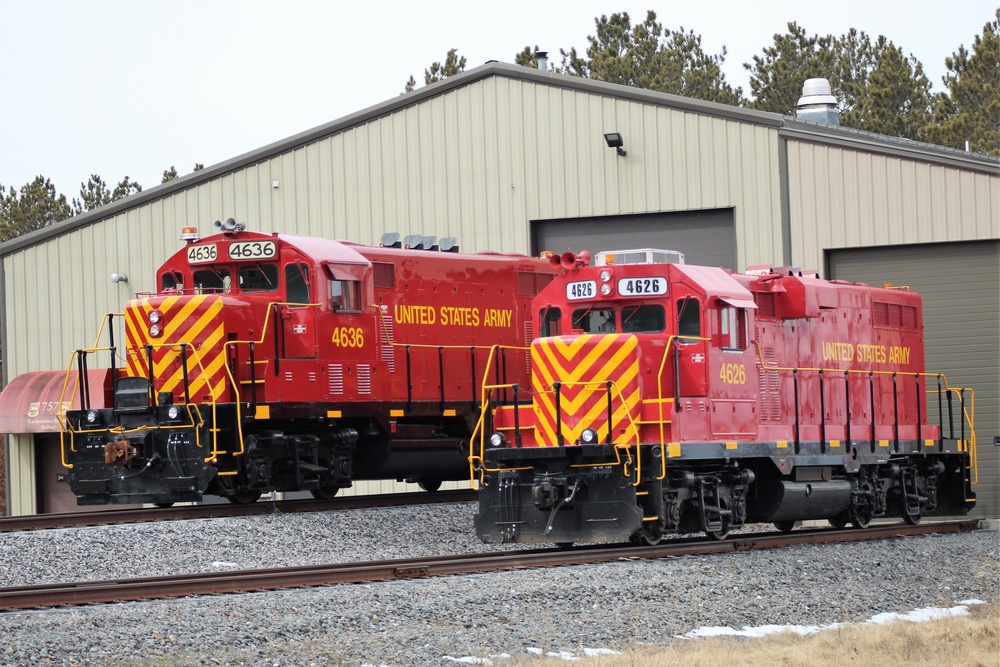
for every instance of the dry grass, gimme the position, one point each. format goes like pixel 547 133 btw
pixel 966 641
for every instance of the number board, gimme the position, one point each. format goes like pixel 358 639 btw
pixel 648 286
pixel 199 254
pixel 582 289
pixel 252 250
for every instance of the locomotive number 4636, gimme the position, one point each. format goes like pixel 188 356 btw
pixel 349 337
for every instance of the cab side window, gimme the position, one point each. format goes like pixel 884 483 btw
pixel 549 318
pixel 345 295
pixel 732 328
pixel 688 319
pixel 297 283
pixel 172 280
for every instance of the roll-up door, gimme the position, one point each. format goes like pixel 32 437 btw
pixel 706 237
pixel 960 286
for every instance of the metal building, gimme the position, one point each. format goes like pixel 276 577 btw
pixel 512 159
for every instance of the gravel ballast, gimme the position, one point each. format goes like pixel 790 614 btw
pixel 436 621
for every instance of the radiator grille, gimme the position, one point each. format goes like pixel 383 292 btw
pixel 770 394
pixel 386 350
pixel 364 379
pixel 384 275
pixel 335 372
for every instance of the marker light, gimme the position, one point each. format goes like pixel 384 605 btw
pixel 496 440
pixel 92 416
pixel 173 412
pixel 589 436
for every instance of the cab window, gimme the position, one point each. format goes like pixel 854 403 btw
pixel 345 295
pixel 212 281
pixel 258 278
pixel 297 283
pixel 172 280
pixel 688 319
pixel 594 320
pixel 651 318
pixel 549 317
pixel 732 328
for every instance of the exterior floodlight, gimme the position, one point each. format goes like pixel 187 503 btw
pixel 614 140
pixel 118 278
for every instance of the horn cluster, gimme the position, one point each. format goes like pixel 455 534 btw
pixel 570 260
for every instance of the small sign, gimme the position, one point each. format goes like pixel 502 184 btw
pixel 299 328
pixel 698 358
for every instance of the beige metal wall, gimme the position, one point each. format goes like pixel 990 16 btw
pixel 21 474
pixel 849 198
pixel 477 162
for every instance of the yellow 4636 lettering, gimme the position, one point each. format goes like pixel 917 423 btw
pixel 348 337
pixel 733 374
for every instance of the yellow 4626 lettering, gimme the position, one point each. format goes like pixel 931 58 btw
pixel 733 374
pixel 348 337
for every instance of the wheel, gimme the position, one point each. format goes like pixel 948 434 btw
pixel 840 521
pixel 784 526
pixel 244 498
pixel 564 545
pixel 912 519
pixel 860 517
pixel 723 532
pixel 429 485
pixel 164 505
pixel 324 492
pixel 649 535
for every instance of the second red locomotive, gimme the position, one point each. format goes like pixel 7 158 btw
pixel 271 362
pixel 670 398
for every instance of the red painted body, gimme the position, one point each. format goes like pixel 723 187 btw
pixel 304 363
pixel 667 397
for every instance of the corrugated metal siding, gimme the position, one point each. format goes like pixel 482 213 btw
pixel 477 162
pixel 960 286
pixel 21 475
pixel 843 198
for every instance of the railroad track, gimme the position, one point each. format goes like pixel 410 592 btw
pixel 147 514
pixel 243 581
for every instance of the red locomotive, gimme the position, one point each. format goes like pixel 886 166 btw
pixel 670 398
pixel 274 362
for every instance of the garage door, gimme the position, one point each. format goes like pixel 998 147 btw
pixel 705 237
pixel 960 285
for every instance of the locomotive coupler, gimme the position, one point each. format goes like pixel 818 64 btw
pixel 118 452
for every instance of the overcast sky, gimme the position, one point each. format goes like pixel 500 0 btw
pixel 131 87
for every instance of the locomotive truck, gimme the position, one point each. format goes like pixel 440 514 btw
pixel 270 362
pixel 671 398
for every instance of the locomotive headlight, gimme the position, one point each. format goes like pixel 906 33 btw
pixel 154 317
pixel 173 412
pixel 496 440
pixel 605 289
pixel 589 436
pixel 155 331
pixel 605 276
